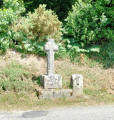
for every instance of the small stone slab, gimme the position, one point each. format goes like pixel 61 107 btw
pixel 54 81
pixel 54 94
pixel 77 84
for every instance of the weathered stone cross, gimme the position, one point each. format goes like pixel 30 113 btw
pixel 50 49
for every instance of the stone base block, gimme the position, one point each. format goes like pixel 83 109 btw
pixel 54 94
pixel 77 84
pixel 54 81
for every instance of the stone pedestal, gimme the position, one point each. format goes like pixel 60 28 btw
pixel 54 93
pixel 54 81
pixel 77 84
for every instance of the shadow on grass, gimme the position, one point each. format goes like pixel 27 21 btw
pixel 37 80
pixel 105 56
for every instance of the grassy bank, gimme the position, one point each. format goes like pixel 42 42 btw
pixel 19 79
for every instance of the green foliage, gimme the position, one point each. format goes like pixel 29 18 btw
pixel 40 24
pixel 32 31
pixel 6 17
pixel 105 56
pixel 17 6
pixel 15 77
pixel 88 27
pixel 10 12
pixel 90 23
pixel 74 49
pixel 62 52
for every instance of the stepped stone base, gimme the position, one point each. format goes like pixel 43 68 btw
pixel 54 81
pixel 54 94
pixel 52 85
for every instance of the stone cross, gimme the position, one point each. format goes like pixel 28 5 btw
pixel 50 49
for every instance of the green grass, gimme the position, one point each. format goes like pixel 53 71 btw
pixel 25 101
pixel 15 77
pixel 99 96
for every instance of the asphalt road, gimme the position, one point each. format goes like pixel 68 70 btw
pixel 78 113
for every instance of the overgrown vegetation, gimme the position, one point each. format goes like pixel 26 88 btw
pixel 15 78
pixel 87 27
pixel 9 12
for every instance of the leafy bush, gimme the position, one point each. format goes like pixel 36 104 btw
pixel 10 12
pixel 17 6
pixel 7 17
pixel 90 23
pixel 40 24
pixel 74 49
pixel 32 31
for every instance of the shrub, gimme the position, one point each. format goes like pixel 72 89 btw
pixel 90 23
pixel 40 24
pixel 7 17
pixel 10 12
pixel 32 31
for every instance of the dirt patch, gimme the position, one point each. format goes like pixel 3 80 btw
pixel 31 61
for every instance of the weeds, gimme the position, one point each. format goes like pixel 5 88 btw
pixel 15 77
